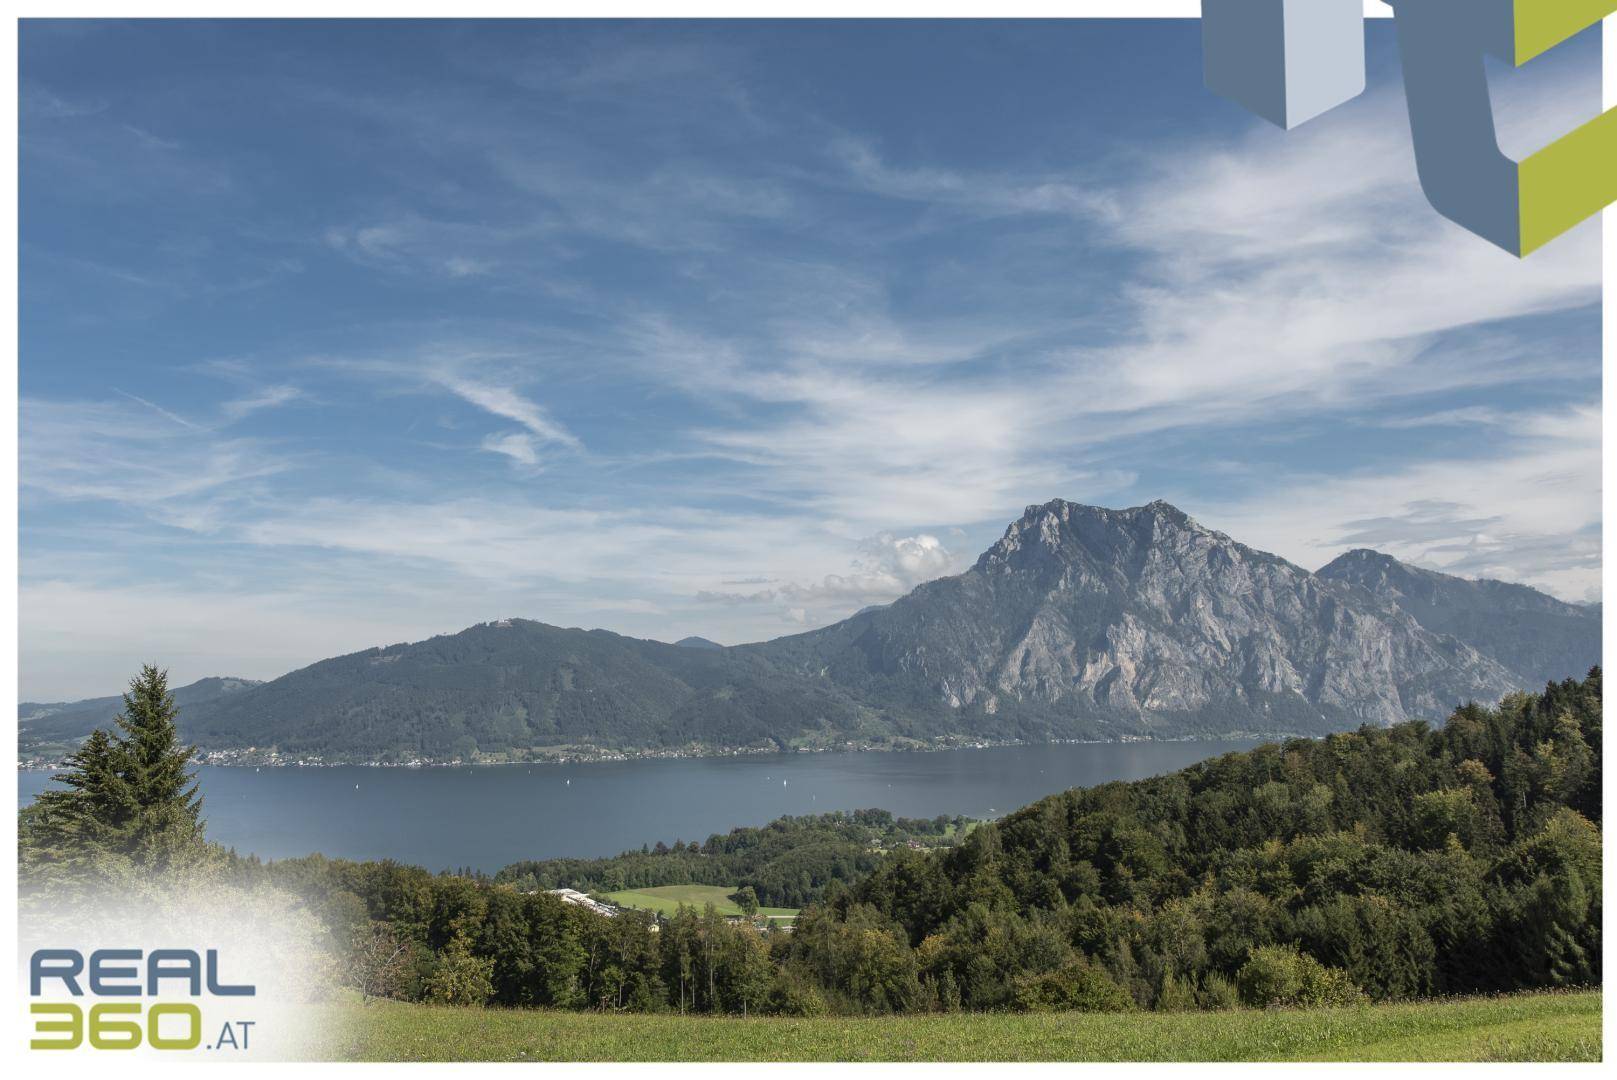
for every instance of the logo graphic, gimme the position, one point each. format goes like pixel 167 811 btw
pixel 1289 61
pixel 113 1021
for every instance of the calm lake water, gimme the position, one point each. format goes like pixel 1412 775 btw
pixel 489 816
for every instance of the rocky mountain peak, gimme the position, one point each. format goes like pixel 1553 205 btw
pixel 1359 565
pixel 1065 531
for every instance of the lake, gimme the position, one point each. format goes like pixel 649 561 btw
pixel 488 816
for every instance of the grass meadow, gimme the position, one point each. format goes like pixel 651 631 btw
pixel 667 899
pixel 1521 1027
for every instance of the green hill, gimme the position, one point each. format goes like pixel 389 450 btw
pixel 516 685
pixel 50 729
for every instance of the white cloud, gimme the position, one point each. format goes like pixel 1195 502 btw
pixel 438 248
pixel 885 568
pixel 516 445
pixel 146 458
pixel 982 195
pixel 506 402
pixel 1527 512
pixel 40 101
pixel 460 266
pixel 268 397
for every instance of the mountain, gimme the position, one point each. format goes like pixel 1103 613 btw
pixel 514 685
pixel 1088 622
pixel 697 643
pixel 1539 638
pixel 45 728
pixel 1079 623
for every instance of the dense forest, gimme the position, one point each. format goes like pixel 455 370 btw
pixel 1384 863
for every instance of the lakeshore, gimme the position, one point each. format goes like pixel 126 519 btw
pixel 467 815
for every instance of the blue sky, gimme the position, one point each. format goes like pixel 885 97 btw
pixel 344 334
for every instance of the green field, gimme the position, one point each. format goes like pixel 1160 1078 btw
pixel 1523 1027
pixel 668 898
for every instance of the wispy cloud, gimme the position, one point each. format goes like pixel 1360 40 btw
pixel 41 101
pixel 886 568
pixel 411 243
pixel 506 402
pixel 1527 510
pixel 146 459
pixel 518 446
pixel 268 397
pixel 159 410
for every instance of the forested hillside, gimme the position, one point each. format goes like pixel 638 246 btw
pixel 513 686
pixel 1416 861
pixel 51 730
pixel 1382 863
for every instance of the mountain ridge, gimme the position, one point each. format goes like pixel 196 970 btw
pixel 45 728
pixel 1544 638
pixel 1080 622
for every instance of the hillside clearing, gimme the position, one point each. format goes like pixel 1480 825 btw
pixel 666 900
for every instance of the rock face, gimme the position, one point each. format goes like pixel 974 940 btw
pixel 1080 622
pixel 1087 621
pixel 1537 637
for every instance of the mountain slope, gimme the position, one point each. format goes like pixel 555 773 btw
pixel 517 685
pixel 46 727
pixel 1079 623
pixel 1084 622
pixel 1538 638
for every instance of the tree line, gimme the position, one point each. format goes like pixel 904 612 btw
pixel 1377 864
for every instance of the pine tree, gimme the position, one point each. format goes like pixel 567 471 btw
pixel 130 803
pixel 64 832
pixel 92 815
pixel 156 771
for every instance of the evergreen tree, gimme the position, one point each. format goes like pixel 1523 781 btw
pixel 90 816
pixel 67 836
pixel 156 771
pixel 130 803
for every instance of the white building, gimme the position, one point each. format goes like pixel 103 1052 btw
pixel 573 896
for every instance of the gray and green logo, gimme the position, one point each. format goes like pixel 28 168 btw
pixel 1291 60
pixel 167 987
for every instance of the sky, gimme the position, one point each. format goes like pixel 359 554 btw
pixel 338 334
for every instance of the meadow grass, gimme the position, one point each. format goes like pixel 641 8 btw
pixel 667 899
pixel 1519 1027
